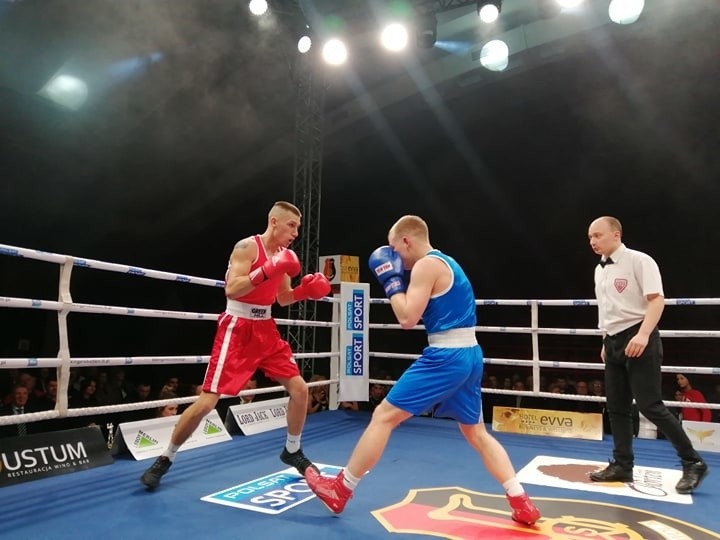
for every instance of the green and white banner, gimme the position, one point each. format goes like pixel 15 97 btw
pixel 149 438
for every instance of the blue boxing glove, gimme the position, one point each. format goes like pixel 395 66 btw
pixel 387 266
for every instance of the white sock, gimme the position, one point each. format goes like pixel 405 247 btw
pixel 170 451
pixel 349 480
pixel 292 444
pixel 513 487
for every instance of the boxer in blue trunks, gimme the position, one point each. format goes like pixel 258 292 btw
pixel 447 375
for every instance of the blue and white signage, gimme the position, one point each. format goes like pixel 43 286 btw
pixel 271 494
pixel 353 373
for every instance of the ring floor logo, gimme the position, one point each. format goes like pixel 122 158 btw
pixel 271 494
pixel 458 513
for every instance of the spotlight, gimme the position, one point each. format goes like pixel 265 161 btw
pixel 334 52
pixel 494 55
pixel 625 12
pixel 304 44
pixel 258 7
pixel 394 37
pixel 489 10
pixel 66 90
pixel 426 31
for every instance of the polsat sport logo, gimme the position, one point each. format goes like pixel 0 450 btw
pixel 457 513
pixel 355 322
pixel 355 315
pixel 271 494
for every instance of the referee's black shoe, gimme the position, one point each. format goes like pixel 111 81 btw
pixel 612 473
pixel 693 473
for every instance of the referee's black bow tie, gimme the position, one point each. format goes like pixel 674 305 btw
pixel 606 261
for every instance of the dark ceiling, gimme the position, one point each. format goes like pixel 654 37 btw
pixel 185 152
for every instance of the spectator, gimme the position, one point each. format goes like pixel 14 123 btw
pixel 556 404
pixel 317 395
pixel 167 410
pixel 520 401
pixel 677 411
pixel 85 398
pixel 490 400
pixel 49 400
pixel 171 385
pixel 141 393
pixel 117 390
pixel 102 392
pixel 377 394
pixel 22 379
pixel 48 403
pixel 252 384
pixel 583 389
pixel 17 405
pixel 691 395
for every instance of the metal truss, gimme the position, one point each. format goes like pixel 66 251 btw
pixel 307 181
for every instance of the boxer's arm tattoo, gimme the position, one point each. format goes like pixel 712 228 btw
pixel 242 244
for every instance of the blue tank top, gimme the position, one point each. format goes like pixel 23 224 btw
pixel 454 308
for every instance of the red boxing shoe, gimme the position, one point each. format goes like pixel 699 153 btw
pixel 524 511
pixel 331 491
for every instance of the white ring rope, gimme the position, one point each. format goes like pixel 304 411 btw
pixel 129 360
pixel 111 267
pixel 136 406
pixel 66 305
pixel 64 361
pixel 555 364
pixel 555 331
pixel 574 303
pixel 6 301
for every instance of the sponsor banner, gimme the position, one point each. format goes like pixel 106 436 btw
pixel 271 494
pixel 456 512
pixel 548 423
pixel 31 457
pixel 258 417
pixel 704 435
pixel 353 374
pixel 339 268
pixel 648 482
pixel 149 438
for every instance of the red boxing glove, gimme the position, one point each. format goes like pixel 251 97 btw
pixel 283 262
pixel 313 286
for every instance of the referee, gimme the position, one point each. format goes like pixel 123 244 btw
pixel 630 299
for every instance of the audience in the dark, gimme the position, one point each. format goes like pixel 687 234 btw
pixel 34 390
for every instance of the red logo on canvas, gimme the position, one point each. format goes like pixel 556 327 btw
pixel 620 284
pixel 461 514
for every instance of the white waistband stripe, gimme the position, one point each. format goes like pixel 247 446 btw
pixel 455 338
pixel 247 311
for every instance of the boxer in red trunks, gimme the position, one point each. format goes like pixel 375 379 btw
pixel 247 338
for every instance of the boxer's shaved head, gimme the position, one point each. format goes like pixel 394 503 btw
pixel 281 207
pixel 410 226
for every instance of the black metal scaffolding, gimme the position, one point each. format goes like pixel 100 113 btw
pixel 307 182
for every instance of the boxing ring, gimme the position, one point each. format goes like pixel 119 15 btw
pixel 426 461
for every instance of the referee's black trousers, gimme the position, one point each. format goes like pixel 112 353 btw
pixel 639 378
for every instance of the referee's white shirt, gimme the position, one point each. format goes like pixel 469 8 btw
pixel 621 289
